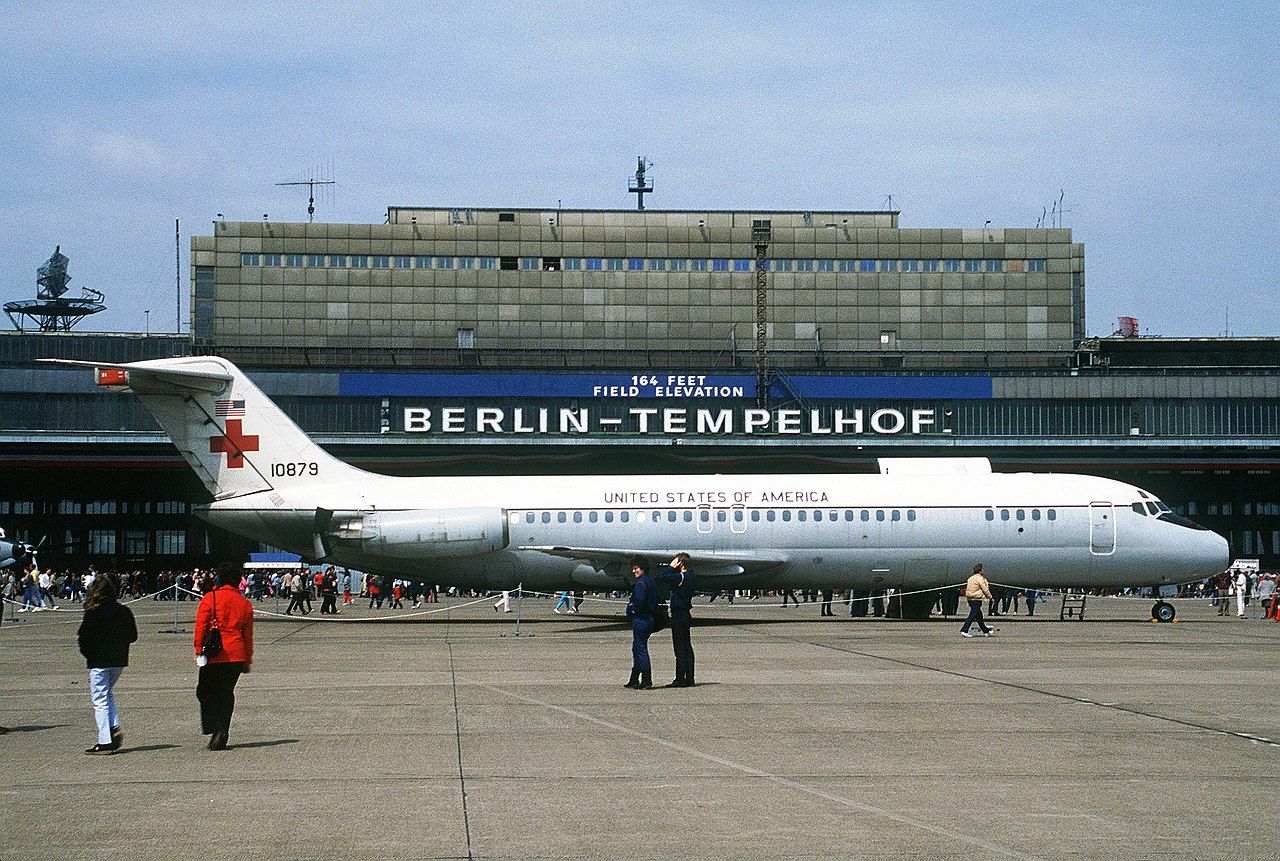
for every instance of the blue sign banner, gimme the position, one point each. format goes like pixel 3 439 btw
pixel 655 386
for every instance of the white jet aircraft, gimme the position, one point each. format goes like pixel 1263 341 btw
pixel 919 524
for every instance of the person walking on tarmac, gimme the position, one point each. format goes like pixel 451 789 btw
pixel 976 590
pixel 640 610
pixel 679 579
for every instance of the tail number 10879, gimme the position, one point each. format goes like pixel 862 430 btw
pixel 294 468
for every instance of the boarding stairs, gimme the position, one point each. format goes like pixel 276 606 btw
pixel 1072 606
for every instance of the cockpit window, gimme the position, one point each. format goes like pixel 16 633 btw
pixel 1162 508
pixel 1153 508
pixel 1139 508
pixel 1178 520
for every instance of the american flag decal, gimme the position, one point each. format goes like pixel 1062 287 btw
pixel 228 409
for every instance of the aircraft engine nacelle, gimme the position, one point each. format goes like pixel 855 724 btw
pixel 433 533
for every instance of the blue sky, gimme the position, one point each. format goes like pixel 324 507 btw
pixel 1160 121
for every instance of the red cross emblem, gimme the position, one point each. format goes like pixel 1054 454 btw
pixel 233 443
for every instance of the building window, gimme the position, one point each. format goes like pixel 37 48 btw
pixel 338 261
pixel 444 262
pixel 530 262
pixel 271 260
pixel 741 265
pixel 614 264
pixel 506 217
pixel 293 260
pixel 635 264
pixel 381 261
pixel 70 506
pixel 783 265
pixel 950 265
pixel 995 265
pixel 1035 265
pixel 677 265
pixel 973 266
pixel 466 263
pixel 102 542
pixel 249 260
pixel 804 265
pixel 657 265
pixel 826 266
pixel 698 265
pixel 888 265
pixel 595 264
pixel 866 266
pixel 931 265
pixel 171 542
pixel 100 506
pixel 402 261
pixel 315 260
pixel 910 265
pixel 848 265
pixel 719 265
pixel 571 264
pixel 359 261
pixel 171 506
pixel 466 339
pixel 137 543
pixel 488 263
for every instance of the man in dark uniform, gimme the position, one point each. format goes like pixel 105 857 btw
pixel 827 595
pixel 679 579
pixel 640 610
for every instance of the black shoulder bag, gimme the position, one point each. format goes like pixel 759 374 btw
pixel 212 644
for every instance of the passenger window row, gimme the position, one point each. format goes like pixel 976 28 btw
pixel 704 515
pixel 1022 513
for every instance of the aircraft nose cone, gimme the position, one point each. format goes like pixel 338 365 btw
pixel 1212 554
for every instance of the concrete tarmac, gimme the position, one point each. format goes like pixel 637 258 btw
pixel 435 737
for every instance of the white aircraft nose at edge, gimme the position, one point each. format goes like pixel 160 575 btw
pixel 920 523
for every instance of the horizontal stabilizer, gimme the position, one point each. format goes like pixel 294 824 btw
pixel 154 377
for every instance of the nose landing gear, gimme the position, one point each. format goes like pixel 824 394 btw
pixel 1163 611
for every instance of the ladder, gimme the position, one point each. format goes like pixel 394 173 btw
pixel 1072 606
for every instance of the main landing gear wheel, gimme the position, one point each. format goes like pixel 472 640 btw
pixel 1163 611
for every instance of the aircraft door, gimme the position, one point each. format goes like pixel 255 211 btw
pixel 1102 528
pixel 704 519
pixel 737 520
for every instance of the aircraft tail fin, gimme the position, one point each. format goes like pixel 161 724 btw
pixel 235 438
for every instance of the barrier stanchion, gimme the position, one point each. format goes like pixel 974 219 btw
pixel 519 613
pixel 176 627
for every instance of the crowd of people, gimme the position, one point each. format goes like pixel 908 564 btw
pixel 224 617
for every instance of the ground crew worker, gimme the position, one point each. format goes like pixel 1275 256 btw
pixel 640 610
pixel 976 590
pixel 680 580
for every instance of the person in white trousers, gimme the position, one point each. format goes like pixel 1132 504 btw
pixel 1242 592
pixel 504 603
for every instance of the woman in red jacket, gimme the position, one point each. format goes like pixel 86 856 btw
pixel 220 671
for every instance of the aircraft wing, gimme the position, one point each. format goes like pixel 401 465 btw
pixel 705 563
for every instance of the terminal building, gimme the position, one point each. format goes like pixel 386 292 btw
pixel 494 341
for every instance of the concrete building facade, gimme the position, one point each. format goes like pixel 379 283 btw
pixel 592 288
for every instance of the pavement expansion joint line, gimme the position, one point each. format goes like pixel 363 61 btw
pixel 778 779
pixel 462 776
pixel 1252 739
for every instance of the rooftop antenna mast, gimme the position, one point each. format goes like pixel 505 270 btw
pixel 640 185
pixel 311 183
